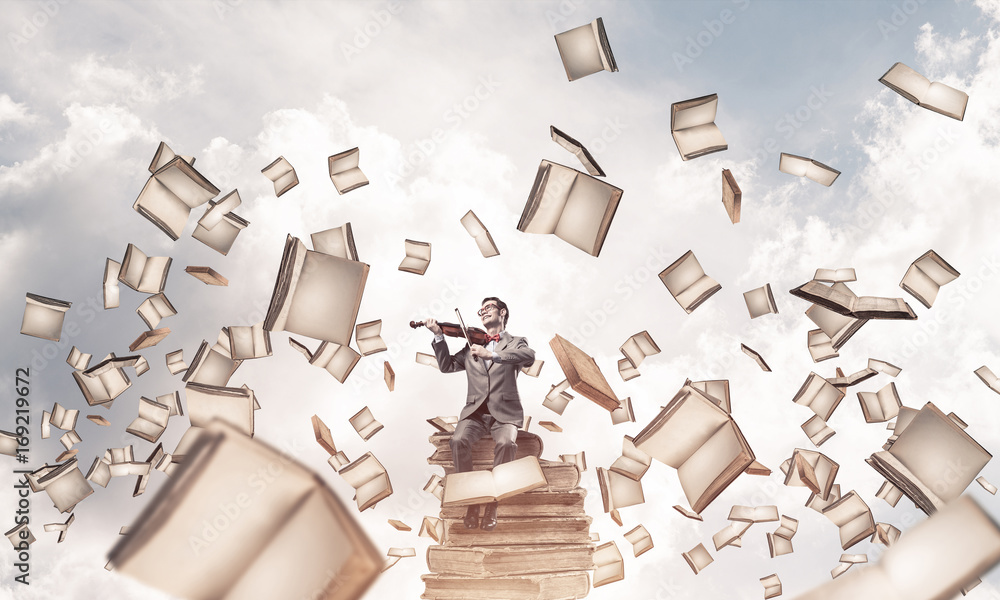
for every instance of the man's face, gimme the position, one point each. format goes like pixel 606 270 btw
pixel 490 314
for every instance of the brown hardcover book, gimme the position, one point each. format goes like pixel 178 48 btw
pixel 859 307
pixel 513 530
pixel 149 338
pixel 528 444
pixel 583 373
pixel 493 561
pixel 732 196
pixel 549 586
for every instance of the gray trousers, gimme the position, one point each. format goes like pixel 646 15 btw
pixel 469 431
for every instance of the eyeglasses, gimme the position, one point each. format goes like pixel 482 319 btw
pixel 486 309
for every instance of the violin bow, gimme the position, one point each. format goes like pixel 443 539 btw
pixel 465 332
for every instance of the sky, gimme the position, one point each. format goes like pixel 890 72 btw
pixel 450 105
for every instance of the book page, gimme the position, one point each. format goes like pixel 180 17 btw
pixel 472 487
pixel 558 182
pixel 710 462
pixel 680 429
pixel 907 82
pixel 580 53
pixel 188 185
pixel 517 476
pixel 692 113
pixel 325 301
pixel 583 215
pixel 698 139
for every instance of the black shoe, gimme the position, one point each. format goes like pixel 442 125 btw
pixel 489 517
pixel 472 517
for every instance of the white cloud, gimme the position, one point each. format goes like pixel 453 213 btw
pixel 938 52
pixel 16 113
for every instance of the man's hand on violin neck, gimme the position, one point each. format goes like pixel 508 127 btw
pixel 479 351
pixel 432 324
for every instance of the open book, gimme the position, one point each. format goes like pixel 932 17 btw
pixel 571 205
pixel 146 274
pixel 43 317
pixel 369 479
pixel 64 483
pixel 932 460
pixel 578 150
pixel 813 470
pixel 282 174
pixel 111 289
pixel 988 377
pixel 293 538
pixel 505 480
pixel 155 308
pixel 819 395
pixel 105 381
pixel 338 360
pixel 638 347
pixel 618 491
pixel 925 277
pixel 151 422
pixel 246 342
pixel 934 96
pixel 934 560
pixel 368 337
pixel 365 424
pixel 478 231
pixel 760 301
pixel 838 327
pixel 732 196
pixel 585 50
pixel 817 430
pixel 344 171
pixel 700 440
pixel 880 406
pixel 213 365
pixel 338 241
pixel 222 235
pixel 853 517
pixel 835 275
pixel 171 192
pixel 692 125
pixel 860 307
pixel 609 566
pixel 316 295
pixel 688 283
pixel 235 406
pixel 418 257
pixel 633 463
pixel 801 166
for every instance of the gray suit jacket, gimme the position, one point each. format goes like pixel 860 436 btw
pixel 496 386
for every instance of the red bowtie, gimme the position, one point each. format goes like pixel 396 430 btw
pixel 492 338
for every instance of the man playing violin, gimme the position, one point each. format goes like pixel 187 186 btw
pixel 493 404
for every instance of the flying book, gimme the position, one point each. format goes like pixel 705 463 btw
pixel 103 382
pixel 418 257
pixel 222 236
pixel 344 171
pixel 368 337
pixel 246 342
pixel 837 328
pixel 626 370
pixel 170 193
pixel 772 586
pixel 338 360
pixel 505 480
pixel 756 357
pixel 63 418
pixel 754 514
pixel 692 125
pixel 698 558
pixel 835 275
pixel 534 369
pixel 813 470
pixel 609 566
pixel 986 485
pixel 845 381
pixel 146 274
pixel 62 528
pixel 819 395
pixel 155 308
pixel 859 307
pixel 699 439
pixel 422 358
pixel 571 205
pixel 916 88
pixel 294 539
pixel 578 150
pixel 151 422
pixel 817 503
pixel 817 430
pixel 688 283
pixel 171 401
pixel 217 210
pixel 232 405
pixel 64 483
pixel 883 367
pixel 585 50
pixel 619 491
pixel 732 196
pixel 730 535
pixel 623 414
pixel 282 174
pixel 881 406
pixel 579 459
pixel 557 399
pixel 716 390
pixel 640 539
pixel 583 373
pixel 389 376
pixel 925 277
pixel 853 517
pixel 933 460
pixel 111 291
pixel 43 317
pixel 164 155
pixel 323 436
pixel 890 493
pixel 365 424
pixel 760 301
pixel 986 376
pixel 633 463
pixel 801 166
pixel 551 426
pixel 207 275
pixel 213 365
pixel 316 295
pixel 478 231
pixel 338 241
pixel 638 347
pixel 369 479
pixel 148 339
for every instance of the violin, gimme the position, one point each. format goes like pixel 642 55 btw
pixel 476 335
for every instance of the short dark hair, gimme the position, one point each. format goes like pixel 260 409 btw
pixel 500 305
